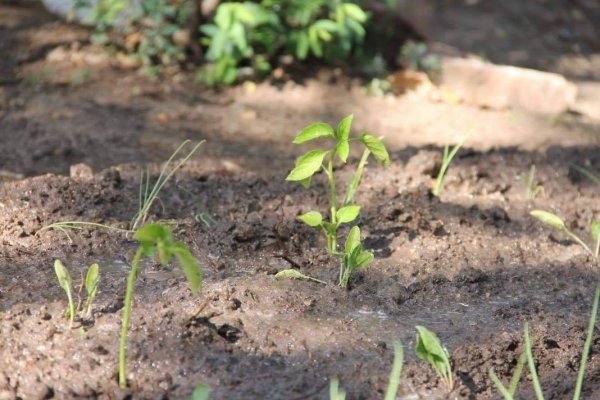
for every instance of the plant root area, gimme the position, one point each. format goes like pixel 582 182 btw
pixel 471 265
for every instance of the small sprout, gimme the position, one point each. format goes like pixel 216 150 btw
pixel 295 274
pixel 392 388
pixel 335 393
pixel 92 279
pixel 532 189
pixel 201 392
pixel 556 222
pixel 446 161
pixel 339 213
pixel 508 393
pixel 354 256
pixel 592 176
pixel 64 280
pixel 155 239
pixel 595 231
pixel 430 349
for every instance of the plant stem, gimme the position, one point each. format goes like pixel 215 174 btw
pixel 581 242
pixel 586 346
pixel 71 308
pixel 126 312
pixel 332 237
pixel 355 181
pixel 534 377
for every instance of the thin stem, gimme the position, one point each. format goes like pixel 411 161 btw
pixel 392 389
pixel 581 242
pixel 355 181
pixel 597 251
pixel 126 312
pixel 71 307
pixel 332 242
pixel 534 376
pixel 586 346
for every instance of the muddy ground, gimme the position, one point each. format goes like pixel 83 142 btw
pixel 472 265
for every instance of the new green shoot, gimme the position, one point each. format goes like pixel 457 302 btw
pixel 64 280
pixel 92 278
pixel 430 348
pixel 556 222
pixel 324 159
pixel 532 188
pixel 155 239
pixel 201 392
pixel 447 157
pixel 295 274
pixel 335 392
pixel 592 176
pixel 392 389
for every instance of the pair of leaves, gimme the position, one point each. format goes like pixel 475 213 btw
pixel 430 349
pixel 309 163
pixel 354 255
pixel 156 238
pixel 343 215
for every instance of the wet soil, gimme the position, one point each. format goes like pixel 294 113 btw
pixel 472 265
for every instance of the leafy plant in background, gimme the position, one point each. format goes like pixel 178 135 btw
pixel 447 157
pixel 252 33
pixel 430 349
pixel 155 239
pixel 354 256
pixel 556 222
pixel 527 356
pixel 91 285
pixel 416 56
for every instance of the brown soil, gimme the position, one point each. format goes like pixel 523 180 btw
pixel 471 265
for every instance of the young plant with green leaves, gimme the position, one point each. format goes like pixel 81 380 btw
pixel 346 211
pixel 527 357
pixel 556 222
pixel 447 158
pixel 155 240
pixel 92 279
pixel 429 348
pixel 65 282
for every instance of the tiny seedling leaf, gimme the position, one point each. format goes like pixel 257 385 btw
pixel 353 240
pixel 364 258
pixel 201 392
pixel 343 128
pixel 335 393
pixel 342 149
pixel 191 266
pixel 151 234
pixel 307 165
pixel 64 278
pixel 295 274
pixel 430 349
pixel 347 214
pixel 549 219
pixel 376 146
pixel 91 280
pixel 305 183
pixel 312 218
pixel 314 131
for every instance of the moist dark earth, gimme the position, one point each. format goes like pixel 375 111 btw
pixel 471 265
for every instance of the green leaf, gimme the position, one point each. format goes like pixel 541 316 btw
pixel 314 131
pixel 430 349
pixel 91 279
pixel 151 233
pixel 191 267
pixel 335 393
pixel 353 240
pixel 302 45
pixel 376 146
pixel 595 230
pixel 201 392
pixel 364 258
pixel 307 165
pixel 343 149
pixel 347 214
pixel 312 218
pixel 295 274
pixel 64 278
pixel 305 183
pixel 549 219
pixel 343 128
pixel 355 12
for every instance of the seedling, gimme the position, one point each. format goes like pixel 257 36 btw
pixel 446 161
pixel 92 279
pixel 295 274
pixel 201 392
pixel 430 349
pixel 155 239
pixel 64 280
pixel 591 175
pixel 335 392
pixel 556 222
pixel 595 231
pixel 532 189
pixel 354 256
pixel 314 160
pixel 392 388
pixel 527 356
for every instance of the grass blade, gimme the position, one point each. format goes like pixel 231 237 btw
pixel 392 389
pixel 586 346
pixel 539 394
pixel 501 388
